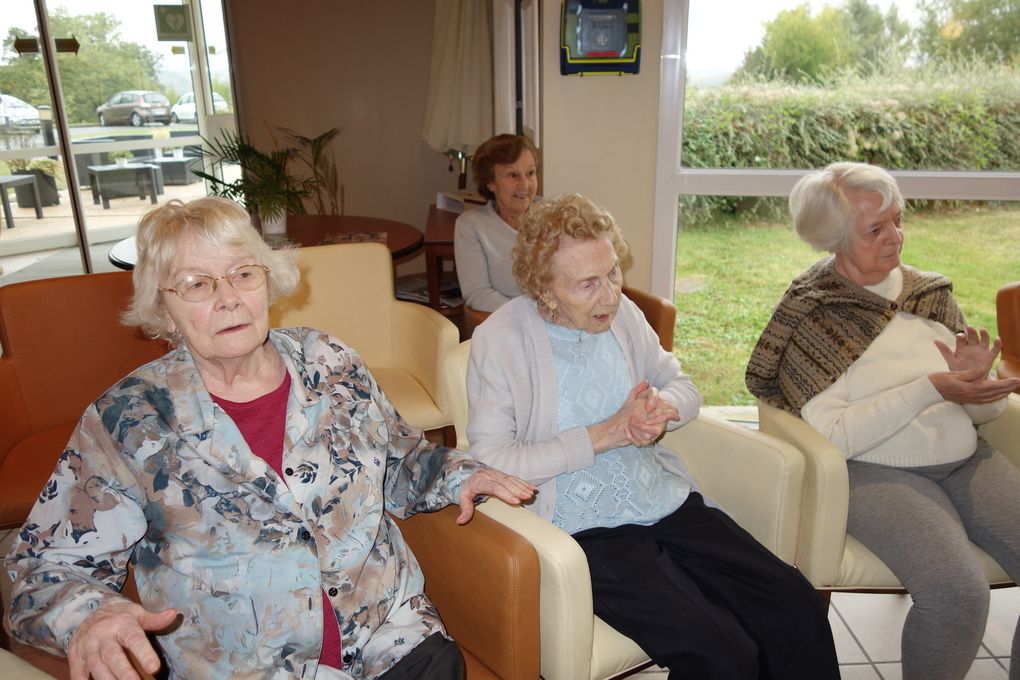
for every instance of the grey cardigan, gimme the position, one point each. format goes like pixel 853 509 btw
pixel 512 397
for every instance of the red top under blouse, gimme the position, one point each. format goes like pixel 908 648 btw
pixel 263 422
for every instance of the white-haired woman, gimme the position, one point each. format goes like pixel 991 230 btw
pixel 246 477
pixel 569 388
pixel 877 357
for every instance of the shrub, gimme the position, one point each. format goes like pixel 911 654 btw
pixel 957 116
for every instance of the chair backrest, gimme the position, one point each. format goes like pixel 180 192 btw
pixel 660 312
pixel 1007 314
pixel 473 317
pixel 352 300
pixel 455 369
pixel 63 345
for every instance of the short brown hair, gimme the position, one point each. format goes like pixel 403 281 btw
pixel 543 226
pixel 498 150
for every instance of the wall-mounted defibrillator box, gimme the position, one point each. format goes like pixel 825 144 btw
pixel 600 37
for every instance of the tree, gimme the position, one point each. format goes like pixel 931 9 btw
pixel 855 35
pixel 988 30
pixel 874 39
pixel 105 64
pixel 797 47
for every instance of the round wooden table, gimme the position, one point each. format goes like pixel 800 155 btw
pixel 315 230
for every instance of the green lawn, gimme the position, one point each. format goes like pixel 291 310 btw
pixel 730 276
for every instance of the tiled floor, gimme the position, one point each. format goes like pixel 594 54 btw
pixel 866 628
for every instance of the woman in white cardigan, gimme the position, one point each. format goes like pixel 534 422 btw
pixel 506 171
pixel 569 389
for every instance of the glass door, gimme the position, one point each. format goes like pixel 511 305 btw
pixel 140 86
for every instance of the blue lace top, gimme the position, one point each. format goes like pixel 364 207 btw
pixel 626 485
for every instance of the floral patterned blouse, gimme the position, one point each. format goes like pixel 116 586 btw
pixel 157 475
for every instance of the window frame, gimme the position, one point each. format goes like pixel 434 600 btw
pixel 672 180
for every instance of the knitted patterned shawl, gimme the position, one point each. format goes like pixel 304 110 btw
pixel 825 322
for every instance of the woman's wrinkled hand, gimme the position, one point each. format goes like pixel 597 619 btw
pixel 972 386
pixel 100 646
pixel 974 351
pixel 490 482
pixel 640 421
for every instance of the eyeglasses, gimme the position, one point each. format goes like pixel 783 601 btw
pixel 198 287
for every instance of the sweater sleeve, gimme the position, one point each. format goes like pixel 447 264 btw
pixel 662 369
pixel 858 427
pixel 982 413
pixel 502 398
pixel 473 266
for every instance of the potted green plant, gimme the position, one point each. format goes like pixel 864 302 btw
pixel 121 157
pixel 46 171
pixel 273 184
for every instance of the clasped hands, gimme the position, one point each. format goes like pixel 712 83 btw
pixel 640 421
pixel 969 362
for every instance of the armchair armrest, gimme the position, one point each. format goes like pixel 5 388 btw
pixel 13 668
pixel 566 604
pixel 421 339
pixel 826 495
pixel 484 580
pixel 1002 432
pixel 757 480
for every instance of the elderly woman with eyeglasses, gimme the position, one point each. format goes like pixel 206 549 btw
pixel 246 476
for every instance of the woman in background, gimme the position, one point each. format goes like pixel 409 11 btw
pixel 507 175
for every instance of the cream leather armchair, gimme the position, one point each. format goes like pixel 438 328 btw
pixel 831 559
pixel 347 290
pixel 756 479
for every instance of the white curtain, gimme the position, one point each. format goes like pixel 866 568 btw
pixel 458 110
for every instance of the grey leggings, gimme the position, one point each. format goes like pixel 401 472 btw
pixel 920 522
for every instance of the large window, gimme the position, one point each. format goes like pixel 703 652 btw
pixel 132 107
pixel 929 89
pixel 755 93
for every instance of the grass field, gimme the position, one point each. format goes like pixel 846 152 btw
pixel 730 276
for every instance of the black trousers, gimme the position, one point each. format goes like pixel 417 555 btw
pixel 436 658
pixel 703 598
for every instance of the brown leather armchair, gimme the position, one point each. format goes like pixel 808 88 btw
pixel 1007 314
pixel 63 345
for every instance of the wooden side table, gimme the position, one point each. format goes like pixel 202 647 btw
pixel 438 245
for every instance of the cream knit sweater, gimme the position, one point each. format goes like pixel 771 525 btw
pixel 884 409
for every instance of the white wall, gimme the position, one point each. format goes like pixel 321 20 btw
pixel 599 135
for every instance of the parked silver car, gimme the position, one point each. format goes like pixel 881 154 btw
pixel 135 107
pixel 17 114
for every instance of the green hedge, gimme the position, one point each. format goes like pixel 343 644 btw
pixel 968 119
